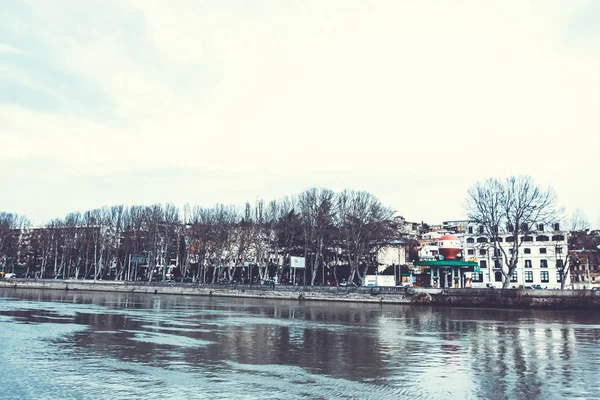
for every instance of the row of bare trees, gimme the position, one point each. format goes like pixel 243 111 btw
pixel 338 233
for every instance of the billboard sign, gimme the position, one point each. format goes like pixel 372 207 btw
pixel 138 259
pixel 297 262
pixel 370 280
pixel 386 280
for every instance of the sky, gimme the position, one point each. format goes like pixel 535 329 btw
pixel 108 102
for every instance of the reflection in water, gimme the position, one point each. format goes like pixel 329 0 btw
pixel 66 344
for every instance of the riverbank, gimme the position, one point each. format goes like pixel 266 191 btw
pixel 507 298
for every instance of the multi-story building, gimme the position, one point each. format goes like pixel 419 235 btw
pixel 585 268
pixel 407 228
pixel 456 226
pixel 541 253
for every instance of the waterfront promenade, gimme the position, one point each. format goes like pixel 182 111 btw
pixel 512 298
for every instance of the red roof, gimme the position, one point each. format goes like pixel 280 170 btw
pixel 449 237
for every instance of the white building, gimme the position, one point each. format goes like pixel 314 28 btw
pixel 539 253
pixel 395 253
pixel 434 235
pixel 429 252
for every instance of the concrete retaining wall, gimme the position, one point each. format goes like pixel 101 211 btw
pixel 364 295
pixel 517 298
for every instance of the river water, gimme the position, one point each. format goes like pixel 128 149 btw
pixel 63 345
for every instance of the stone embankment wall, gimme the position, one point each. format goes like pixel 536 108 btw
pixel 345 294
pixel 514 298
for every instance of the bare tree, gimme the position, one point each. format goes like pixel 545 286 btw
pixel 12 227
pixel 512 207
pixel 226 218
pixel 287 233
pixel 366 225
pixel 202 230
pixel 317 213
pixel 577 226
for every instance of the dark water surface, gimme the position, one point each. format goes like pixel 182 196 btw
pixel 62 345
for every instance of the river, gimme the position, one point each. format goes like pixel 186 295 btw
pixel 80 345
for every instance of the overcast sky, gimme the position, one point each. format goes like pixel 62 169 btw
pixel 137 101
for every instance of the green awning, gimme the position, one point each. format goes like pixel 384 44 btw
pixel 447 263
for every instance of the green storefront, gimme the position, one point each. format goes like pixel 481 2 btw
pixel 449 273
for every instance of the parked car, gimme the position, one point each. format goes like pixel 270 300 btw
pixel 269 282
pixel 533 287
pixel 596 289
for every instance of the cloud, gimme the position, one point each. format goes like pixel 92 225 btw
pixel 395 97
pixel 8 49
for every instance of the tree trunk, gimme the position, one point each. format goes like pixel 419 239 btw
pixel 55 260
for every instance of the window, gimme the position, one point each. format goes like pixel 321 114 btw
pixel 514 277
pixel 470 252
pixel 557 226
pixel 542 238
pixel 482 252
pixel 558 238
pixel 495 228
pixel 543 263
pixel 558 250
pixel 510 228
pixel 498 276
pixel 527 251
pixel 559 264
pixel 470 240
pixel 482 264
pixel 497 252
pixel 541 227
pixel 528 276
pixel 480 229
pixel 527 263
pixel 471 230
pixel 497 264
pixel 542 250
pixel 482 240
pixel 509 239
pixel 477 277
pixel 558 277
pixel 524 227
pixel 545 276
pixel 511 251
